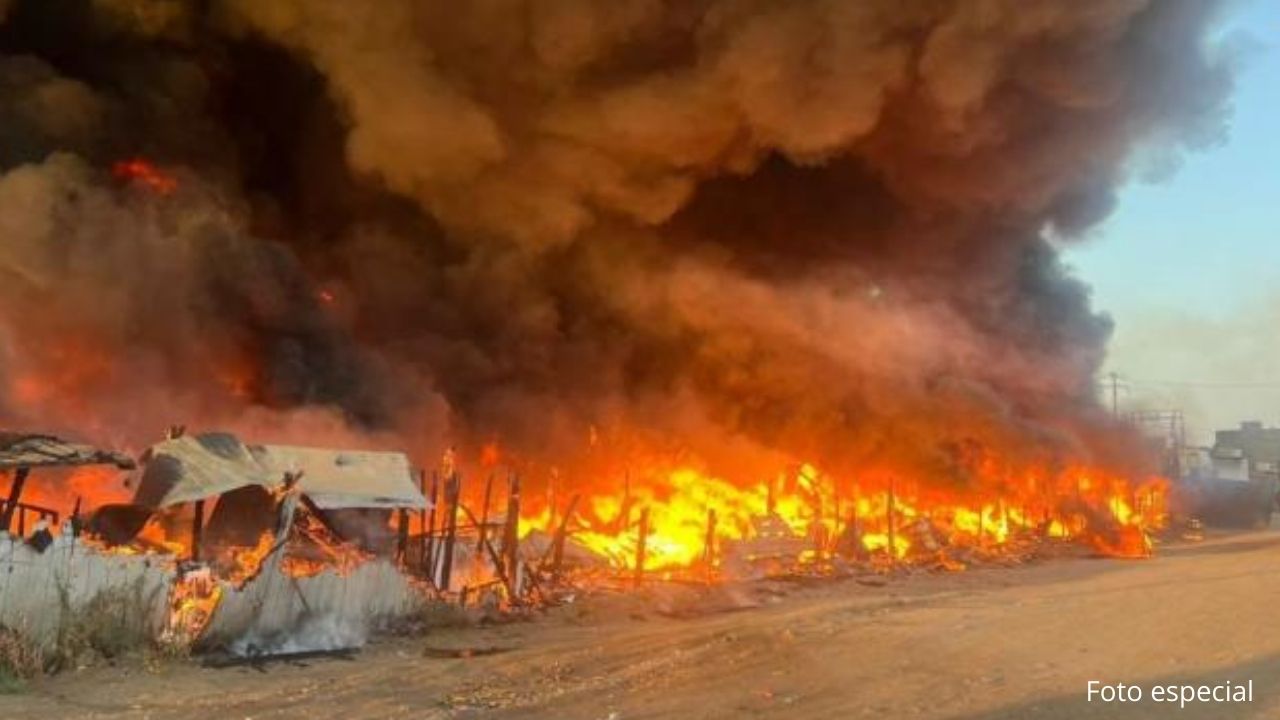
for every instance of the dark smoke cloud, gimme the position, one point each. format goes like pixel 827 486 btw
pixel 760 229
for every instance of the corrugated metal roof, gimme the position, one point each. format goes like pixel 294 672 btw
pixel 348 479
pixel 193 468
pixel 30 450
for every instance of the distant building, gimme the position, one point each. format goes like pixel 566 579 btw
pixel 1239 485
pixel 1229 463
pixel 1251 452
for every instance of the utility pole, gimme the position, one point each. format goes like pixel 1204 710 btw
pixel 1113 385
pixel 1115 394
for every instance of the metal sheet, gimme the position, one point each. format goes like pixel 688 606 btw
pixel 336 479
pixel 42 593
pixel 29 450
pixel 194 468
pixel 190 468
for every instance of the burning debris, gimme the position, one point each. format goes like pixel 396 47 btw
pixel 271 549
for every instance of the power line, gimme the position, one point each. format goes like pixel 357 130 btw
pixel 1208 384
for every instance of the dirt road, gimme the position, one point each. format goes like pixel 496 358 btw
pixel 1018 643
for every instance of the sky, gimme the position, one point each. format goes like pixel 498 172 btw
pixel 1189 267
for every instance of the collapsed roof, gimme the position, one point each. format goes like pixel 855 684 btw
pixel 191 468
pixel 29 450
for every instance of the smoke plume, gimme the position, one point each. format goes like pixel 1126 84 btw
pixel 749 229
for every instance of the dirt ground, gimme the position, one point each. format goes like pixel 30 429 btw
pixel 995 643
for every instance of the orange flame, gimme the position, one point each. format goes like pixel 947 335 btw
pixel 146 174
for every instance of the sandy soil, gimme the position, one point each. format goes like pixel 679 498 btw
pixel 1006 643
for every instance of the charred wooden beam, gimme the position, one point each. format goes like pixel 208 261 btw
pixel 497 561
pixel 15 495
pixel 422 520
pixel 452 491
pixel 624 511
pixel 77 521
pixel 459 653
pixel 557 545
pixel 429 559
pixel 258 661
pixel 402 535
pixel 197 530
pixel 641 546
pixel 709 547
pixel 511 534
pixel 551 501
pixel 890 513
pixel 483 528
pixel 320 515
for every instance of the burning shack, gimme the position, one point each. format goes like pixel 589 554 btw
pixel 20 453
pixel 259 548
pixel 47 579
pixel 297 549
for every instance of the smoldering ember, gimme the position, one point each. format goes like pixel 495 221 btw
pixel 600 359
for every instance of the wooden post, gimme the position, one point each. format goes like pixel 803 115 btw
pixel 551 502
pixel 709 548
pixel 623 521
pixel 557 552
pixel 511 534
pixel 402 534
pixel 422 519
pixel 452 490
pixel 15 495
pixel 641 543
pixel 483 528
pixel 893 530
pixel 77 522
pixel 429 559
pixel 197 530
pixel 853 525
pixel 837 518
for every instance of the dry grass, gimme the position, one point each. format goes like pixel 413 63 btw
pixel 20 660
pixel 109 626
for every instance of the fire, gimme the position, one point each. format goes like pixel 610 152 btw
pixel 691 513
pixel 146 174
pixel 677 521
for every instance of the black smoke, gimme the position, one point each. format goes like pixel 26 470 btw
pixel 750 228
